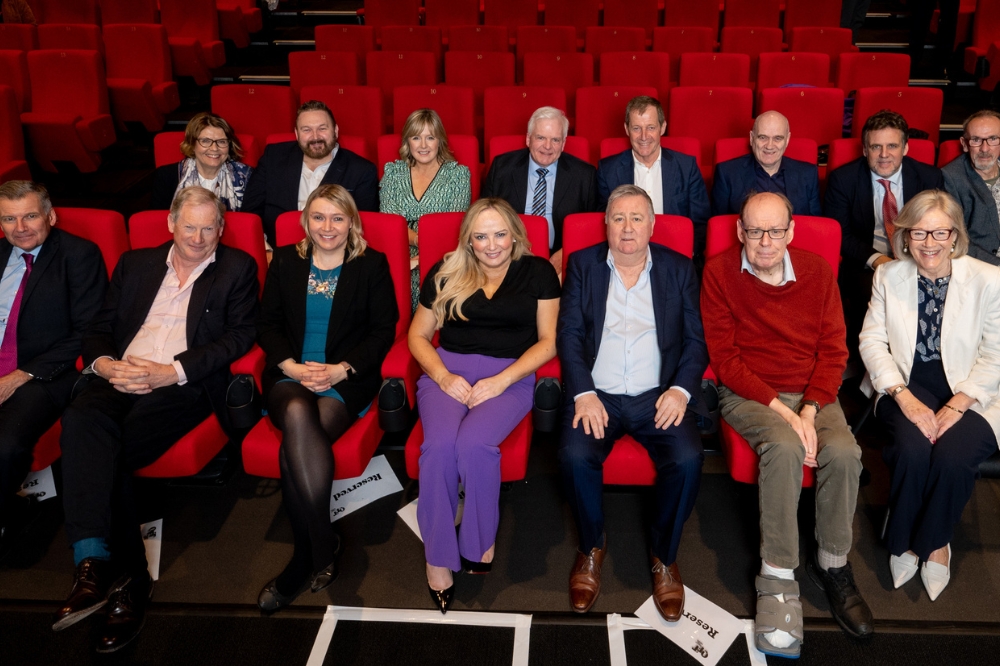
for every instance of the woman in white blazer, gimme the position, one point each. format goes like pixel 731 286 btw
pixel 931 343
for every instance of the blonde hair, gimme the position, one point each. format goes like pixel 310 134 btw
pixel 343 200
pixel 918 207
pixel 417 121
pixel 460 276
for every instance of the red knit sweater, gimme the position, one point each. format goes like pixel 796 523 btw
pixel 763 339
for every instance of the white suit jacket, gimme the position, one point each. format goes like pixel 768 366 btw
pixel 970 332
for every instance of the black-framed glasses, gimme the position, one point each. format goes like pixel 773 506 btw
pixel 977 141
pixel 757 234
pixel 205 142
pixel 936 234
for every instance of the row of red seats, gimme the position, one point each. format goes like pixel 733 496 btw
pixel 703 113
pixel 581 14
pixel 360 40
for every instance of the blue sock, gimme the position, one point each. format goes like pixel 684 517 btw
pixel 95 548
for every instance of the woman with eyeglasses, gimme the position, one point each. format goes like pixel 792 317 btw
pixel 211 160
pixel 931 346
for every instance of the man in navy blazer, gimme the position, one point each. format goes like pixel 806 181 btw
pixel 766 169
pixel 856 197
pixel 60 294
pixel 288 172
pixel 633 353
pixel 568 184
pixel 672 180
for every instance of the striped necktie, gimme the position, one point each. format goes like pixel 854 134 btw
pixel 538 200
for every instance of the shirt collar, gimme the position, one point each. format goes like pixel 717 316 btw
pixel 18 252
pixel 535 166
pixel 646 269
pixel 787 272
pixel 198 269
pixel 896 178
pixel 637 162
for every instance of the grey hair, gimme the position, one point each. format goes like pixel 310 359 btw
pixel 548 113
pixel 15 190
pixel 623 191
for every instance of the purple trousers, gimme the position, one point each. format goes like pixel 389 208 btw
pixel 461 445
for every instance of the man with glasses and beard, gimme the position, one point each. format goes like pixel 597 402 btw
pixel 975 183
pixel 288 172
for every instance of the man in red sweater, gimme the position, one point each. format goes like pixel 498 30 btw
pixel 776 339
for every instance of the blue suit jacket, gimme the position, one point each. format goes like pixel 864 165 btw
pixel 582 309
pixel 736 177
pixel 684 190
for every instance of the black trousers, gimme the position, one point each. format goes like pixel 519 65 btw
pixel 677 455
pixel 25 417
pixel 107 435
pixel 931 483
pixel 920 17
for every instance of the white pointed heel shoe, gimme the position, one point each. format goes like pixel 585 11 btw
pixel 936 576
pixel 903 568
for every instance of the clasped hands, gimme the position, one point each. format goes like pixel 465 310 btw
pixel 317 377
pixel 932 425
pixel 135 375
pixel 804 425
pixel 670 409
pixel 458 388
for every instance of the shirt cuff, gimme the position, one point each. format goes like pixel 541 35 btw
pixel 872 259
pixel 683 390
pixel 179 369
pixel 89 370
pixel 580 395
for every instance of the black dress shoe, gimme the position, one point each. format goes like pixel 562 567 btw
pixel 328 574
pixel 270 600
pixel 90 592
pixel 846 604
pixel 127 606
pixel 442 598
pixel 468 566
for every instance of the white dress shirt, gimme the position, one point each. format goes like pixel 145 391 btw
pixel 787 272
pixel 650 179
pixel 312 178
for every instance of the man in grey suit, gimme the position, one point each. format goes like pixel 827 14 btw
pixel 543 180
pixel 975 182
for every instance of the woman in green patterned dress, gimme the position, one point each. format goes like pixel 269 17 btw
pixel 426 179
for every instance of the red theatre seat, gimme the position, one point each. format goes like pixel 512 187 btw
pixel 62 36
pixel 543 39
pixel 238 19
pixel 921 107
pixel 814 113
pixel 601 113
pixel 193 34
pixel 426 39
pixel 510 13
pixel 14 74
pixel 140 77
pixel 752 42
pixel 628 464
pixel 985 31
pixel 866 70
pixel 715 69
pixel 255 110
pixel 69 118
pixel 752 13
pixel 323 68
pixel 454 104
pixel 948 151
pixel 632 13
pixel 507 109
pixel 167 147
pixel 197 448
pixel 581 14
pixel 637 68
pixel 692 13
pixel 569 71
pixel 380 13
pixel 479 70
pixel 613 40
pixel 438 235
pixel 809 13
pixel 819 235
pixel 19 36
pixel 447 14
pixel 66 11
pixel 352 451
pixel 477 38
pixel 831 41
pixel 782 69
pixel 359 39
pixel 389 69
pixel 128 11
pixel 12 163
pixel 355 108
pixel 709 114
pixel 680 40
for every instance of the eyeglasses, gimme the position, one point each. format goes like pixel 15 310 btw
pixel 205 142
pixel 936 234
pixel 977 141
pixel 757 234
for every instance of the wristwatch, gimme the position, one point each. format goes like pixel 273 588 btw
pixel 896 391
pixel 815 405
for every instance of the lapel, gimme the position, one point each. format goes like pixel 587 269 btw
pixel 865 197
pixel 912 184
pixel 149 278
pixel 601 278
pixel 904 289
pixel 289 166
pixel 668 172
pixel 748 177
pixel 564 168
pixel 199 295
pixel 957 290
pixel 626 170
pixel 659 314
pixel 347 286
pixel 335 174
pixel 519 181
pixel 44 260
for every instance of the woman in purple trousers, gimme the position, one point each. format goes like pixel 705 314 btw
pixel 496 306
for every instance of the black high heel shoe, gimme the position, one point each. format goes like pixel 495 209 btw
pixel 468 566
pixel 442 598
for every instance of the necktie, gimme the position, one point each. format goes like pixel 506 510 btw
pixel 889 212
pixel 8 350
pixel 538 200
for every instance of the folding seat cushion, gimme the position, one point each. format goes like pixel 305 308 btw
pixel 70 119
pixel 14 73
pixel 140 76
pixel 193 34
pixel 12 163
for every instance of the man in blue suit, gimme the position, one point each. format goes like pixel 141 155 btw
pixel 766 169
pixel 633 353
pixel 671 179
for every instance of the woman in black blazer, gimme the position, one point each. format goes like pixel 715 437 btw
pixel 328 318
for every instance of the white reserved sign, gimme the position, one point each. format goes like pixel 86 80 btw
pixel 40 485
pixel 152 539
pixel 704 632
pixel 349 495
pixel 409 513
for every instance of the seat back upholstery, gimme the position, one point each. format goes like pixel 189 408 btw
pixel 105 228
pixel 138 52
pixel 709 114
pixel 602 113
pixel 14 74
pixel 813 113
pixel 255 109
pixel 315 68
pixel 582 230
pixel 71 81
pixel 921 107
pixel 865 70
pixel 507 109
pixel 128 11
pixel 357 109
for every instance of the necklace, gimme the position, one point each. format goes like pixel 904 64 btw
pixel 323 282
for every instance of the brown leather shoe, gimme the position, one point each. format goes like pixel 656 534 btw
pixel 90 592
pixel 585 578
pixel 126 613
pixel 668 590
